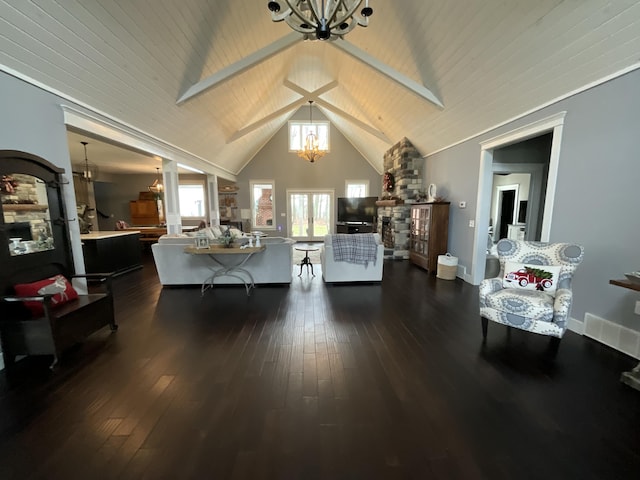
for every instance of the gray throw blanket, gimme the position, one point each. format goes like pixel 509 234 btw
pixel 358 248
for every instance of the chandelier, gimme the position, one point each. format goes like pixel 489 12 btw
pixel 156 186
pixel 88 171
pixel 324 19
pixel 311 151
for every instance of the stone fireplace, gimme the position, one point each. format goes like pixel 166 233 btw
pixel 387 233
pixel 405 163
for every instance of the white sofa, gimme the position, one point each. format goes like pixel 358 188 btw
pixel 175 267
pixel 333 271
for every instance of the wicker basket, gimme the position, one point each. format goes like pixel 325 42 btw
pixel 447 267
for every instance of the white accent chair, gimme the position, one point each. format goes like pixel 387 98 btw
pixel 339 271
pixel 531 310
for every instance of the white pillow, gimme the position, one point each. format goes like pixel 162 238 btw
pixel 208 232
pixel 531 277
pixel 235 233
pixel 215 229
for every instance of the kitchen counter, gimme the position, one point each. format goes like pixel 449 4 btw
pixel 111 251
pixel 107 234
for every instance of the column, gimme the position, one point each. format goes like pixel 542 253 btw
pixel 214 201
pixel 171 197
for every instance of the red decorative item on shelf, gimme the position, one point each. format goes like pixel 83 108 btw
pixel 8 184
pixel 388 182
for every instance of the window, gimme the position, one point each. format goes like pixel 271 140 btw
pixel 357 188
pixel 192 200
pixel 263 204
pixel 298 132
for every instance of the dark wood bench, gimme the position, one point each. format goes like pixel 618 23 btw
pixel 57 328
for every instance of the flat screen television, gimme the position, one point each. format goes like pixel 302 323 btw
pixel 357 210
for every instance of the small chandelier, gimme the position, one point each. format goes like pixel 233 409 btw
pixel 311 151
pixel 89 171
pixel 156 186
pixel 324 20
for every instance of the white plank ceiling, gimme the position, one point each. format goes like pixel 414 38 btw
pixel 487 61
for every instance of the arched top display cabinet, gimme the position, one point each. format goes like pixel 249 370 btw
pixel 33 223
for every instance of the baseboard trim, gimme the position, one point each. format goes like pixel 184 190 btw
pixel 576 326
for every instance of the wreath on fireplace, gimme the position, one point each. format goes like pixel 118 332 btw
pixel 388 182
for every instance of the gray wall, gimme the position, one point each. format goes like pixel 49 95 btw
pixel 533 150
pixel 275 162
pixel 113 197
pixel 32 121
pixel 596 194
pixel 114 192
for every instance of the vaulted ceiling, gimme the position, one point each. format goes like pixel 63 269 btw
pixel 485 62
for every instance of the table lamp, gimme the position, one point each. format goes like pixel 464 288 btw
pixel 245 216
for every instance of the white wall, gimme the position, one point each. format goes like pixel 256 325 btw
pixel 521 179
pixel 596 200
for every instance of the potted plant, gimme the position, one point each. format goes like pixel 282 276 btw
pixel 226 239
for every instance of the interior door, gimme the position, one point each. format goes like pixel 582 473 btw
pixel 310 214
pixel 507 204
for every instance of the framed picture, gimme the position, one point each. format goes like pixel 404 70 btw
pixel 202 242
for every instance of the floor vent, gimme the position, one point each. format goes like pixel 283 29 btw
pixel 615 336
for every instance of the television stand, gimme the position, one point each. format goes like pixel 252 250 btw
pixel 354 227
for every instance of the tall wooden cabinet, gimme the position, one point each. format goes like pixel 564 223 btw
pixel 144 212
pixel 429 233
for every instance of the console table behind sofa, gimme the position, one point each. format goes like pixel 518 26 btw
pixel 175 267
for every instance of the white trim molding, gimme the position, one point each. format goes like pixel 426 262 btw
pixel 113 131
pixel 552 124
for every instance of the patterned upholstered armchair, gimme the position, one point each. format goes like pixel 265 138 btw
pixel 533 289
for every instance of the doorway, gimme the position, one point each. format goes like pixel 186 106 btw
pixel 505 209
pixel 310 214
pixel 554 126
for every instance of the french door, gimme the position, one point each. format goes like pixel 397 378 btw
pixel 310 214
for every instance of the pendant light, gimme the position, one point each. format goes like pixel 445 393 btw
pixel 311 150
pixel 156 187
pixel 89 171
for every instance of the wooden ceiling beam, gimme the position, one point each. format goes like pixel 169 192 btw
pixel 387 71
pixel 310 95
pixel 358 123
pixel 292 106
pixel 255 125
pixel 240 66
pixel 321 103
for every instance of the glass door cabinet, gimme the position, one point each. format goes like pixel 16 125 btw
pixel 428 234
pixel 33 224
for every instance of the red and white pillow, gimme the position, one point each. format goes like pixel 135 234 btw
pixel 59 286
pixel 523 276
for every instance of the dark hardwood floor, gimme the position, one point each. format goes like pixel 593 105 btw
pixel 372 381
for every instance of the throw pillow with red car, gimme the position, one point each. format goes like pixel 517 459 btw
pixel 543 278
